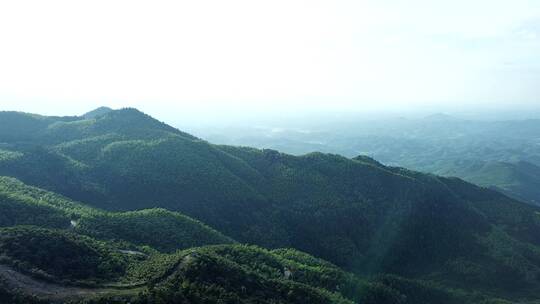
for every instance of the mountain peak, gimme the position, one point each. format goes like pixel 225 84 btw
pixel 97 112
pixel 134 121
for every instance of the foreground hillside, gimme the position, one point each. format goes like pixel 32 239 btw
pixel 63 265
pixel 365 217
pixel 52 265
pixel 163 230
pixel 54 249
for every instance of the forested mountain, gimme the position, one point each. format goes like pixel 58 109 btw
pixel 469 242
pixel 161 229
pixel 51 251
pixel 439 144
pixel 74 268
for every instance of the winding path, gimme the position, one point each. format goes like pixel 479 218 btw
pixel 25 284
pixel 28 285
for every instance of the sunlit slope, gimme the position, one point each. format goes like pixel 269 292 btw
pixel 54 266
pixel 161 229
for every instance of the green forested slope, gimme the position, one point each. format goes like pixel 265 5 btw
pixel 161 229
pixel 356 213
pixel 158 228
pixel 73 268
pixel 60 255
pixel 520 180
pixel 497 153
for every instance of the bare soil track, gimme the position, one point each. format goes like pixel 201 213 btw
pixel 25 284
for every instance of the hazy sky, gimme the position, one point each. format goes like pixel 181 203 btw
pixel 170 58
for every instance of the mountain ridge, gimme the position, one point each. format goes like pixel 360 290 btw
pixel 357 213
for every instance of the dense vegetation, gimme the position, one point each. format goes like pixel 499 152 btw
pixel 56 254
pixel 212 274
pixel 248 274
pixel 232 274
pixel 161 229
pixel 18 212
pixel 452 241
pixel 520 180
pixel 501 154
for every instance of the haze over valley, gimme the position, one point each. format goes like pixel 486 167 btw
pixel 502 152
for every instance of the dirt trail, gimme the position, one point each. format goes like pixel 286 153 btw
pixel 25 284
pixel 28 285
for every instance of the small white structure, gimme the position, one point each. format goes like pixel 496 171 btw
pixel 287 273
pixel 73 224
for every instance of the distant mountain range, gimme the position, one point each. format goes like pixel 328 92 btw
pixel 520 180
pixel 97 206
pixel 439 143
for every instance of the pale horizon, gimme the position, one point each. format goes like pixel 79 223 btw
pixel 211 59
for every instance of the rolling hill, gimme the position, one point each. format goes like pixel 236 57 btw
pixel 160 229
pixel 520 180
pixel 62 266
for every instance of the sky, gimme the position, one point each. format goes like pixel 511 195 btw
pixel 188 59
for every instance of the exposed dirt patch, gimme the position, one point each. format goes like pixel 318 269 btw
pixel 28 285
